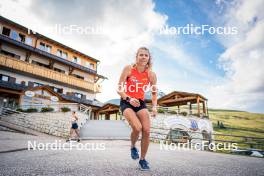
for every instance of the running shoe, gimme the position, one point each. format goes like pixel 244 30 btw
pixel 143 165
pixel 134 153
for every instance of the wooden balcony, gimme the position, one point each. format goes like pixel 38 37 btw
pixel 47 74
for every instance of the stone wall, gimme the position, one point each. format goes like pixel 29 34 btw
pixel 161 125
pixel 53 123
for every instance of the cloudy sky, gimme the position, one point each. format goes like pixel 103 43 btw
pixel 225 68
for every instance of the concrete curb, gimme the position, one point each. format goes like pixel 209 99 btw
pixel 14 150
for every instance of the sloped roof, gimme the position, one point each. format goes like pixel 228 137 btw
pixel 23 28
pixel 108 108
pixel 176 98
pixel 22 88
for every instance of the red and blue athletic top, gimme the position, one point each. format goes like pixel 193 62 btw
pixel 137 83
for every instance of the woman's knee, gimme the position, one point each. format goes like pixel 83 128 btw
pixel 146 131
pixel 137 128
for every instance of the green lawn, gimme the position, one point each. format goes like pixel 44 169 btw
pixel 239 123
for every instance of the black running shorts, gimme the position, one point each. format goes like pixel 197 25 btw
pixel 124 104
pixel 74 126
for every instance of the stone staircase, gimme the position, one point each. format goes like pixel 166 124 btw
pixel 53 123
pixel 7 112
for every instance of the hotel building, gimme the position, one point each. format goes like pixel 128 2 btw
pixel 37 70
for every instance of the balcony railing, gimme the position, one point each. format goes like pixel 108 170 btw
pixel 38 71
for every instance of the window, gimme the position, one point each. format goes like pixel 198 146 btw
pixel 55 89
pixel 59 53
pixel 28 41
pixel 37 84
pixel 14 35
pixel 62 54
pixel 59 70
pixel 45 93
pixel 39 64
pixel 58 90
pixel 74 59
pixel 91 66
pixel 87 64
pixel 6 31
pixel 44 47
pixel 78 76
pixel 4 78
pixel 39 92
pixel 21 38
pixel 10 54
pixel 48 48
pixel 78 95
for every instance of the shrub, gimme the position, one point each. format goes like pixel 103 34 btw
pixel 222 126
pixel 183 113
pixel 65 109
pixel 196 114
pixel 172 112
pixel 20 110
pixel 161 111
pixel 31 110
pixel 47 109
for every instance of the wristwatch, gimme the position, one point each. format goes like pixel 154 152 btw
pixel 128 99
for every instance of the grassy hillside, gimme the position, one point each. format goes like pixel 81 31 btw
pixel 238 120
pixel 238 123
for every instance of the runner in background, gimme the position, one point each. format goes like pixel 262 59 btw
pixel 74 127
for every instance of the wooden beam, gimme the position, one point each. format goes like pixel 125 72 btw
pixel 204 111
pixel 97 115
pixel 28 54
pixel 108 111
pixel 70 70
pixel 190 107
pixel 177 100
pixel 198 105
pixel 96 79
pixel 51 63
pixel 11 91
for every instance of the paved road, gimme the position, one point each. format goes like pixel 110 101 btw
pixel 115 160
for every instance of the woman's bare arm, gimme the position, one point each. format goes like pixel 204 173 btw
pixel 154 97
pixel 125 73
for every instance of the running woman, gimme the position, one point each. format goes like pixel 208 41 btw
pixel 74 127
pixel 131 87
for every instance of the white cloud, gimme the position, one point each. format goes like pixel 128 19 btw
pixel 243 59
pixel 126 26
